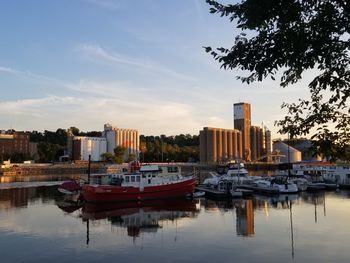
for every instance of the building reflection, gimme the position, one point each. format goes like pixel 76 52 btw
pixel 244 209
pixel 245 218
pixel 21 197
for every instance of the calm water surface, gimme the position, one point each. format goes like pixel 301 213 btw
pixel 36 225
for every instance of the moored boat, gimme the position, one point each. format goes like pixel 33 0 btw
pixel 71 190
pixel 150 182
pixel 273 186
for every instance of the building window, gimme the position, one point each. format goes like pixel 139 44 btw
pixel 127 179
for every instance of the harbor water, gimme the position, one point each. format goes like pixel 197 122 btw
pixel 38 225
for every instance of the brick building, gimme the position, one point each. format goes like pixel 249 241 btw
pixel 14 142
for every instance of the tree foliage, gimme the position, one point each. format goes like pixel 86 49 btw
pixel 108 157
pixel 179 148
pixel 296 36
pixel 119 153
pixel 49 152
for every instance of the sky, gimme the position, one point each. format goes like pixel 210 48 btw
pixel 133 63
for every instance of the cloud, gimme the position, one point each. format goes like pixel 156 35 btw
pixel 8 70
pixel 128 106
pixel 28 74
pixel 39 107
pixel 99 103
pixel 97 53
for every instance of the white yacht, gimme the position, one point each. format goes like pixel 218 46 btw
pixel 236 174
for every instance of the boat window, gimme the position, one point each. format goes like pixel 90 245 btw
pixel 172 169
pixel 137 178
pixel 143 176
pixel 132 178
pixel 153 175
pixel 127 179
pixel 149 181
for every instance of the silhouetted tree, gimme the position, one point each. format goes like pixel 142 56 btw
pixel 297 36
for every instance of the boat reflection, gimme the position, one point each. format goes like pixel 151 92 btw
pixel 141 217
pixel 281 201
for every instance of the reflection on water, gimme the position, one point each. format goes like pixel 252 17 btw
pixel 296 228
pixel 141 217
pixel 37 178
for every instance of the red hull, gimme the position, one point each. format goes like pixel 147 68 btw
pixel 110 193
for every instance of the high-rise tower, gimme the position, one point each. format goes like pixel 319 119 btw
pixel 242 122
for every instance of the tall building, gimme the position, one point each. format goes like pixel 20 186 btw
pixel 260 143
pixel 268 142
pixel 83 146
pixel 128 138
pixel 219 145
pixel 242 122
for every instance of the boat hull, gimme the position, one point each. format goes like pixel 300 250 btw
pixel 110 193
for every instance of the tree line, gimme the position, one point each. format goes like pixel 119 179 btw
pixel 178 148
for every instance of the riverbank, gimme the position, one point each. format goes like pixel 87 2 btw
pixel 58 171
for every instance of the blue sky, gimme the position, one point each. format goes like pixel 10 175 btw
pixel 134 64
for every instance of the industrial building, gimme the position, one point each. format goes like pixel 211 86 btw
pixel 246 142
pixel 83 146
pixel 80 147
pixel 260 143
pixel 128 138
pixel 242 122
pixel 219 145
pixel 289 154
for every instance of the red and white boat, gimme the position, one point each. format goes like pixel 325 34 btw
pixel 150 182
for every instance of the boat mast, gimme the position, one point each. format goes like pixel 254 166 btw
pixel 89 167
pixel 288 154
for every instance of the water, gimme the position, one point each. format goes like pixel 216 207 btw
pixel 36 225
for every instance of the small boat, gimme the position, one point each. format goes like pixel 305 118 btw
pixel 69 188
pixel 198 194
pixel 149 182
pixel 273 186
pixel 302 183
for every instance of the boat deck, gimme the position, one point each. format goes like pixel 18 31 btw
pixel 212 192
pixel 219 194
pixel 260 189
